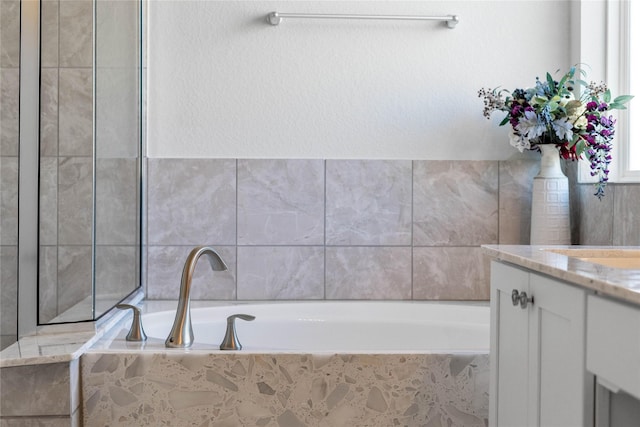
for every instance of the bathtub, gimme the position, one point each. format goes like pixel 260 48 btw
pixel 302 364
pixel 339 327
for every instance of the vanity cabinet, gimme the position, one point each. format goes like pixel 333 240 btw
pixel 613 356
pixel 538 373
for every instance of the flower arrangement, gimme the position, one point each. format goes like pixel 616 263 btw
pixel 548 113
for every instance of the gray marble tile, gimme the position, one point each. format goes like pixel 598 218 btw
pixel 116 271
pixel 75 109
pixel 449 273
pixel 49 32
pixel 6 341
pixel 48 111
pixel 191 202
pixel 516 183
pixel 48 219
pixel 117 116
pixel 369 202
pixel 48 284
pixel 74 277
pixel 595 217
pixel 76 39
pixel 117 33
pixel 9 290
pixel 626 214
pixel 42 390
pixel 165 264
pixel 75 200
pixel 116 198
pixel 280 202
pixel 9 107
pixel 280 272
pixel 9 200
pixel 368 273
pixel 10 34
pixel 455 203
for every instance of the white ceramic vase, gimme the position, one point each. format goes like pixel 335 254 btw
pixel 550 224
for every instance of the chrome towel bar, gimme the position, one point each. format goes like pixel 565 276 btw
pixel 274 18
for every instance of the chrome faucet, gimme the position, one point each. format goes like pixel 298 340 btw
pixel 181 335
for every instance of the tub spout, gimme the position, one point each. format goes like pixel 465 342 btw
pixel 181 335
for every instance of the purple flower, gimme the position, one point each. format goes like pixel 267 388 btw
pixel 592 106
pixel 607 121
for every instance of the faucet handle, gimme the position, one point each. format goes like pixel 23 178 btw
pixel 136 333
pixel 230 341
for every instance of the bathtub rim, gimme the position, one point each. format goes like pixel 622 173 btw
pixel 114 341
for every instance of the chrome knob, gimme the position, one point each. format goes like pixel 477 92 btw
pixel 525 300
pixel 230 341
pixel 515 297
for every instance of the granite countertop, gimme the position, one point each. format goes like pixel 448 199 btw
pixel 621 283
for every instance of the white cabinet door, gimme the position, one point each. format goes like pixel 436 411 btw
pixel 509 348
pixel 560 388
pixel 538 368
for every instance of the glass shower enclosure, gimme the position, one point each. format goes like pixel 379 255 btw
pixel 80 159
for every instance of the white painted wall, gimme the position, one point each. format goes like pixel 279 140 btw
pixel 223 83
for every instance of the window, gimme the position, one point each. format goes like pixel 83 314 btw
pixel 610 48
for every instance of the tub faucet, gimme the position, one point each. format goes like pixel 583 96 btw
pixel 181 335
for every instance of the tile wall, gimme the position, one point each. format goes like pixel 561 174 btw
pixel 333 229
pixel 67 212
pixel 66 150
pixel 9 126
pixel 614 220
pixel 354 229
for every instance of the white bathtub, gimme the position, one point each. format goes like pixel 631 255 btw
pixel 339 327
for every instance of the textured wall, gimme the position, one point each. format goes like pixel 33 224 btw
pixel 225 84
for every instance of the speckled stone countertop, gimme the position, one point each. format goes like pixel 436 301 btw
pixel 66 342
pixel 62 342
pixel 621 283
pixel 55 347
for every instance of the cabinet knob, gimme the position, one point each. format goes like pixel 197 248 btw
pixel 515 297
pixel 521 298
pixel 525 300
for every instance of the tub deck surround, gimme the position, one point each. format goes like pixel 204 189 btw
pixel 620 283
pixel 298 390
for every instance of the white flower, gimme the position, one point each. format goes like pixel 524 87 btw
pixel 530 126
pixel 576 116
pixel 563 130
pixel 519 141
